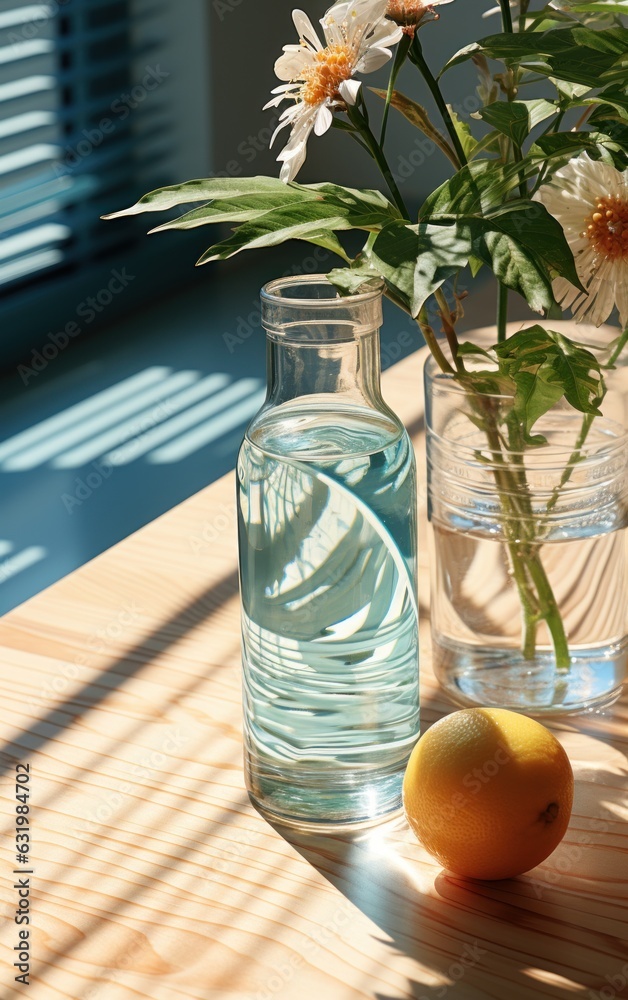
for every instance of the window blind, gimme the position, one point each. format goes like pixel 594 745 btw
pixel 79 114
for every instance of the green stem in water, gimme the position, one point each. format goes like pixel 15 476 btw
pixel 417 57
pixel 502 312
pixel 360 123
pixel 587 424
pixel 400 58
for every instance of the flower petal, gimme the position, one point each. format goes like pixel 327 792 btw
pixel 349 90
pixel 372 60
pixel 306 29
pixel 293 62
pixel 324 120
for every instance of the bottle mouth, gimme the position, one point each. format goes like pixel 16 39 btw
pixel 315 290
pixel 310 309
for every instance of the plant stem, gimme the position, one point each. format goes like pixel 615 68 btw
pixel 359 122
pixel 400 58
pixel 587 424
pixel 551 614
pixel 619 346
pixel 523 10
pixel 506 16
pixel 449 328
pixel 417 57
pixel 502 312
pixel 432 342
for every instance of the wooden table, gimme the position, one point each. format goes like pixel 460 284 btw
pixel 155 878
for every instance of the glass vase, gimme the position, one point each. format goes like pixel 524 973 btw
pixel 327 541
pixel 529 561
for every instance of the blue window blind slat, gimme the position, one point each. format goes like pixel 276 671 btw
pixel 62 69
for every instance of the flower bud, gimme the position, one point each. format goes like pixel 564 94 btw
pixel 409 14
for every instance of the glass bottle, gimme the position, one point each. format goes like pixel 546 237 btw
pixel 327 539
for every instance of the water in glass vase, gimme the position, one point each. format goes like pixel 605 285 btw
pixel 326 504
pixel 478 626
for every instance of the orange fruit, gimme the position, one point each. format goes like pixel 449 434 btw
pixel 488 792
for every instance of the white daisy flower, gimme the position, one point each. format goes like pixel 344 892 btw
pixel 320 77
pixel 410 13
pixel 590 200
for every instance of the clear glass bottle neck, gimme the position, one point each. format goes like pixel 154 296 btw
pixel 349 369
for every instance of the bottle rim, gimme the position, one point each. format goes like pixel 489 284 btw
pixel 273 292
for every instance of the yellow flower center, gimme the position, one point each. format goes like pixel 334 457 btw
pixel 607 228
pixel 331 67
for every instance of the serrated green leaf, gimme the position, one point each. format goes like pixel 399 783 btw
pixel 515 267
pixel 538 233
pixel 351 280
pixel 415 261
pixel 583 389
pixel 516 119
pixel 536 393
pixel 562 362
pixel 418 116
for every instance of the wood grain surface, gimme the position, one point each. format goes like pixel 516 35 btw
pixel 155 878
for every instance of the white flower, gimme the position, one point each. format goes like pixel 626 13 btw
pixel 590 200
pixel 320 77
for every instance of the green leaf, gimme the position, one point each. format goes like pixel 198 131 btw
pixel 467 140
pixel 576 54
pixel 582 389
pixel 354 198
pixel 564 145
pixel 415 261
pixel 610 104
pixel 610 8
pixel 516 119
pixel 242 209
pixel 560 363
pixel 480 187
pixel 418 116
pixel 351 280
pixel 539 233
pixel 206 189
pixel 307 220
pixel 536 393
pixel 514 266
pixel 522 243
